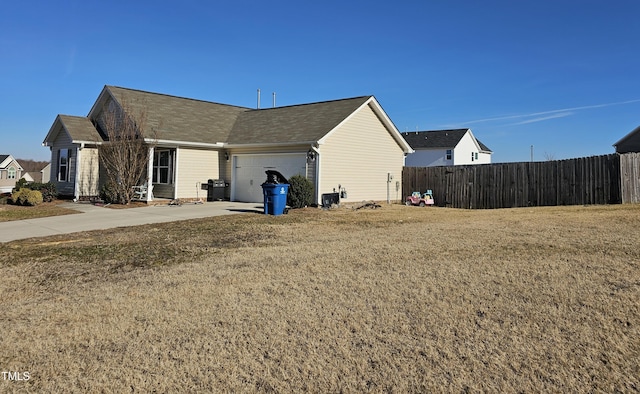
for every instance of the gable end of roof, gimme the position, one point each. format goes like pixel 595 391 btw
pixel 78 128
pixel 302 123
pixel 630 137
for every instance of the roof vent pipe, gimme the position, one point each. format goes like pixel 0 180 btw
pixel 258 99
pixel 274 99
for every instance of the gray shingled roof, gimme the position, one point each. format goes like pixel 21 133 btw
pixel 297 123
pixel 438 139
pixel 483 146
pixel 183 119
pixel 180 119
pixel 80 128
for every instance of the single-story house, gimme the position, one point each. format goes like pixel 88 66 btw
pixel 10 173
pixel 445 148
pixel 349 142
pixel 629 143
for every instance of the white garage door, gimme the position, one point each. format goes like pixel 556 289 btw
pixel 249 172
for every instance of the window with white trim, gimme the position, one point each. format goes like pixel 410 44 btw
pixel 63 164
pixel 448 154
pixel 163 167
pixel 11 173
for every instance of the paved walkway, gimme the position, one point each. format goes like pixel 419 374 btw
pixel 92 217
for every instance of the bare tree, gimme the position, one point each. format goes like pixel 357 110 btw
pixel 549 156
pixel 125 152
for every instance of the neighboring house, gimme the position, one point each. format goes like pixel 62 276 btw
pixel 45 173
pixel 27 177
pixel 445 148
pixel 10 173
pixel 36 171
pixel 350 142
pixel 629 143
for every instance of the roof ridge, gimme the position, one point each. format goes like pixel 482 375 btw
pixel 74 116
pixel 312 103
pixel 176 97
pixel 434 131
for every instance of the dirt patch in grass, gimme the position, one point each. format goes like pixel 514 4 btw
pixel 399 299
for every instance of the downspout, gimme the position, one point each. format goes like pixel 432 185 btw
pixel 150 175
pixel 76 183
pixel 317 173
pixel 175 173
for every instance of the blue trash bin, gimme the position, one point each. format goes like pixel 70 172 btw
pixel 275 198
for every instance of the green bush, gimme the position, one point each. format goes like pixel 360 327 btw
pixel 18 196
pixel 33 198
pixel 109 193
pixel 26 196
pixel 20 184
pixel 300 192
pixel 48 190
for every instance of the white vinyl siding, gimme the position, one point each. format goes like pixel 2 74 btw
pixel 484 158
pixel 466 152
pixel 358 156
pixel 194 167
pixel 88 176
pixel 46 173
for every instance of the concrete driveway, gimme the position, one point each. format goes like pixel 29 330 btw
pixel 92 217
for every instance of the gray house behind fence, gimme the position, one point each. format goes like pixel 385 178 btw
pixel 629 143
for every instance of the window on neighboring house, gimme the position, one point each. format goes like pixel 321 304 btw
pixel 162 167
pixel 471 156
pixel 11 173
pixel 476 155
pixel 63 164
pixel 448 154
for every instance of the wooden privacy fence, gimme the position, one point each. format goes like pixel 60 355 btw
pixel 608 179
pixel 630 177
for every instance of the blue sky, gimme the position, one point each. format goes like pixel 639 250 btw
pixel 559 75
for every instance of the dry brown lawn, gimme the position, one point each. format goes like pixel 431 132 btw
pixel 15 212
pixel 398 299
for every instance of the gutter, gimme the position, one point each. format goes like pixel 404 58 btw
pixel 184 143
pixel 270 144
